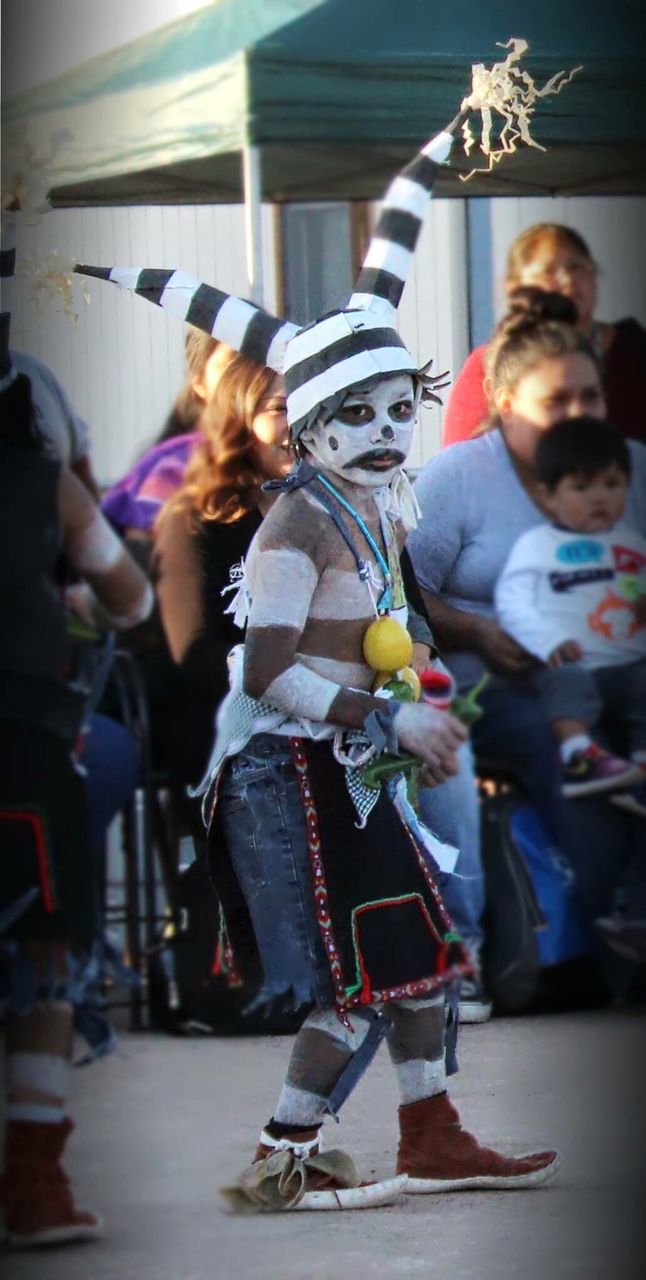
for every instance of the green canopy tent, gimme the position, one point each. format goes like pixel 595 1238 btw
pixel 325 99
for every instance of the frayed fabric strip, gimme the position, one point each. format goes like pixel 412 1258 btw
pixel 360 1061
pixel 34 1113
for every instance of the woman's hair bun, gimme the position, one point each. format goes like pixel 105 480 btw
pixel 529 304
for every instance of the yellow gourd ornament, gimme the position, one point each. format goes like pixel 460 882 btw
pixel 387 645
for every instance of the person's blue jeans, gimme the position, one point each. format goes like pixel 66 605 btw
pixel 452 813
pixel 604 844
pixel 262 816
pixel 111 763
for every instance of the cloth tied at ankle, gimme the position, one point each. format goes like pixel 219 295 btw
pixel 281 1180
pixel 302 1149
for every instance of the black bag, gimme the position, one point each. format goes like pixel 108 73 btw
pixel 511 960
pixel 523 914
pixel 185 995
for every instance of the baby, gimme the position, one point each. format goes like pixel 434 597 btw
pixel 573 593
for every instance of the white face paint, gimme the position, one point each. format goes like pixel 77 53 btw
pixel 370 437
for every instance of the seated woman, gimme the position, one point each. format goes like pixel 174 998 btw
pixel 132 506
pixel 200 541
pixel 557 259
pixel 476 499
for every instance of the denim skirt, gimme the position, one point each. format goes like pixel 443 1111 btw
pixel 337 914
pixel 263 824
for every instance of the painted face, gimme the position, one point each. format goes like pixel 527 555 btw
pixel 589 504
pixel 273 449
pixel 370 436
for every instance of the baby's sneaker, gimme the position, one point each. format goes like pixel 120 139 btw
pixel 634 798
pixel 593 770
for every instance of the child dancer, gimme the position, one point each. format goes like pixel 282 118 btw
pixel 327 879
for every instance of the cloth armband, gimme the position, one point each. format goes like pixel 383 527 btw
pixel 380 727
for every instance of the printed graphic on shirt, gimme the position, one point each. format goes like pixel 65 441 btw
pixel 631 587
pixel 614 618
pixel 578 578
pixel 628 560
pixel 580 550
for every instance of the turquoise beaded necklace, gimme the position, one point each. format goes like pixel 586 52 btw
pixel 385 602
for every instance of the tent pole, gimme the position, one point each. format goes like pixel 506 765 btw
pixel 252 187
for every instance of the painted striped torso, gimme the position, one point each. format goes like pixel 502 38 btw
pixel 304 585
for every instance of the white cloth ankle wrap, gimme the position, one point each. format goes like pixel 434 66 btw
pixel 300 1149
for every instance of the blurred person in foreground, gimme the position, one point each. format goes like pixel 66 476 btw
pixel 48 944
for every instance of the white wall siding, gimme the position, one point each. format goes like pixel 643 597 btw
pixel 613 226
pixel 122 362
pixel 433 314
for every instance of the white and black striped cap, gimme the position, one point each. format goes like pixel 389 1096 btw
pixel 335 353
pixel 8 371
pixel 343 348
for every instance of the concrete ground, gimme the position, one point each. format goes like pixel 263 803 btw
pixel 165 1122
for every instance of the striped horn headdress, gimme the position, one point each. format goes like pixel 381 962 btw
pixel 343 348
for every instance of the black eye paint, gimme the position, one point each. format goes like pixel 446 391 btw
pixel 333 443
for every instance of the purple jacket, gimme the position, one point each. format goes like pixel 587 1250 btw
pixel 136 500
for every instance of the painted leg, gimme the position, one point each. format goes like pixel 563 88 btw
pixel 290 1171
pixel 452 812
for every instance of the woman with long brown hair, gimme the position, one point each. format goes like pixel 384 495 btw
pixel 201 537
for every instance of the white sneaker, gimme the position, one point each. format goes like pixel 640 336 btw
pixel 633 800
pixel 474 1006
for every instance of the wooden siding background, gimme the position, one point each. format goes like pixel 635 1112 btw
pixel 122 362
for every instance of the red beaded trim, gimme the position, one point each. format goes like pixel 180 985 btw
pixel 421 986
pixel 318 875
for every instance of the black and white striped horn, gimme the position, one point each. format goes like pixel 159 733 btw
pixel 387 263
pixel 354 345
pixel 340 350
pixel 242 325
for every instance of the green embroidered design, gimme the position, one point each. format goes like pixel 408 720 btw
pixel 368 906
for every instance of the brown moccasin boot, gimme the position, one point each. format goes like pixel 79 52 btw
pixel 39 1208
pixel 437 1154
